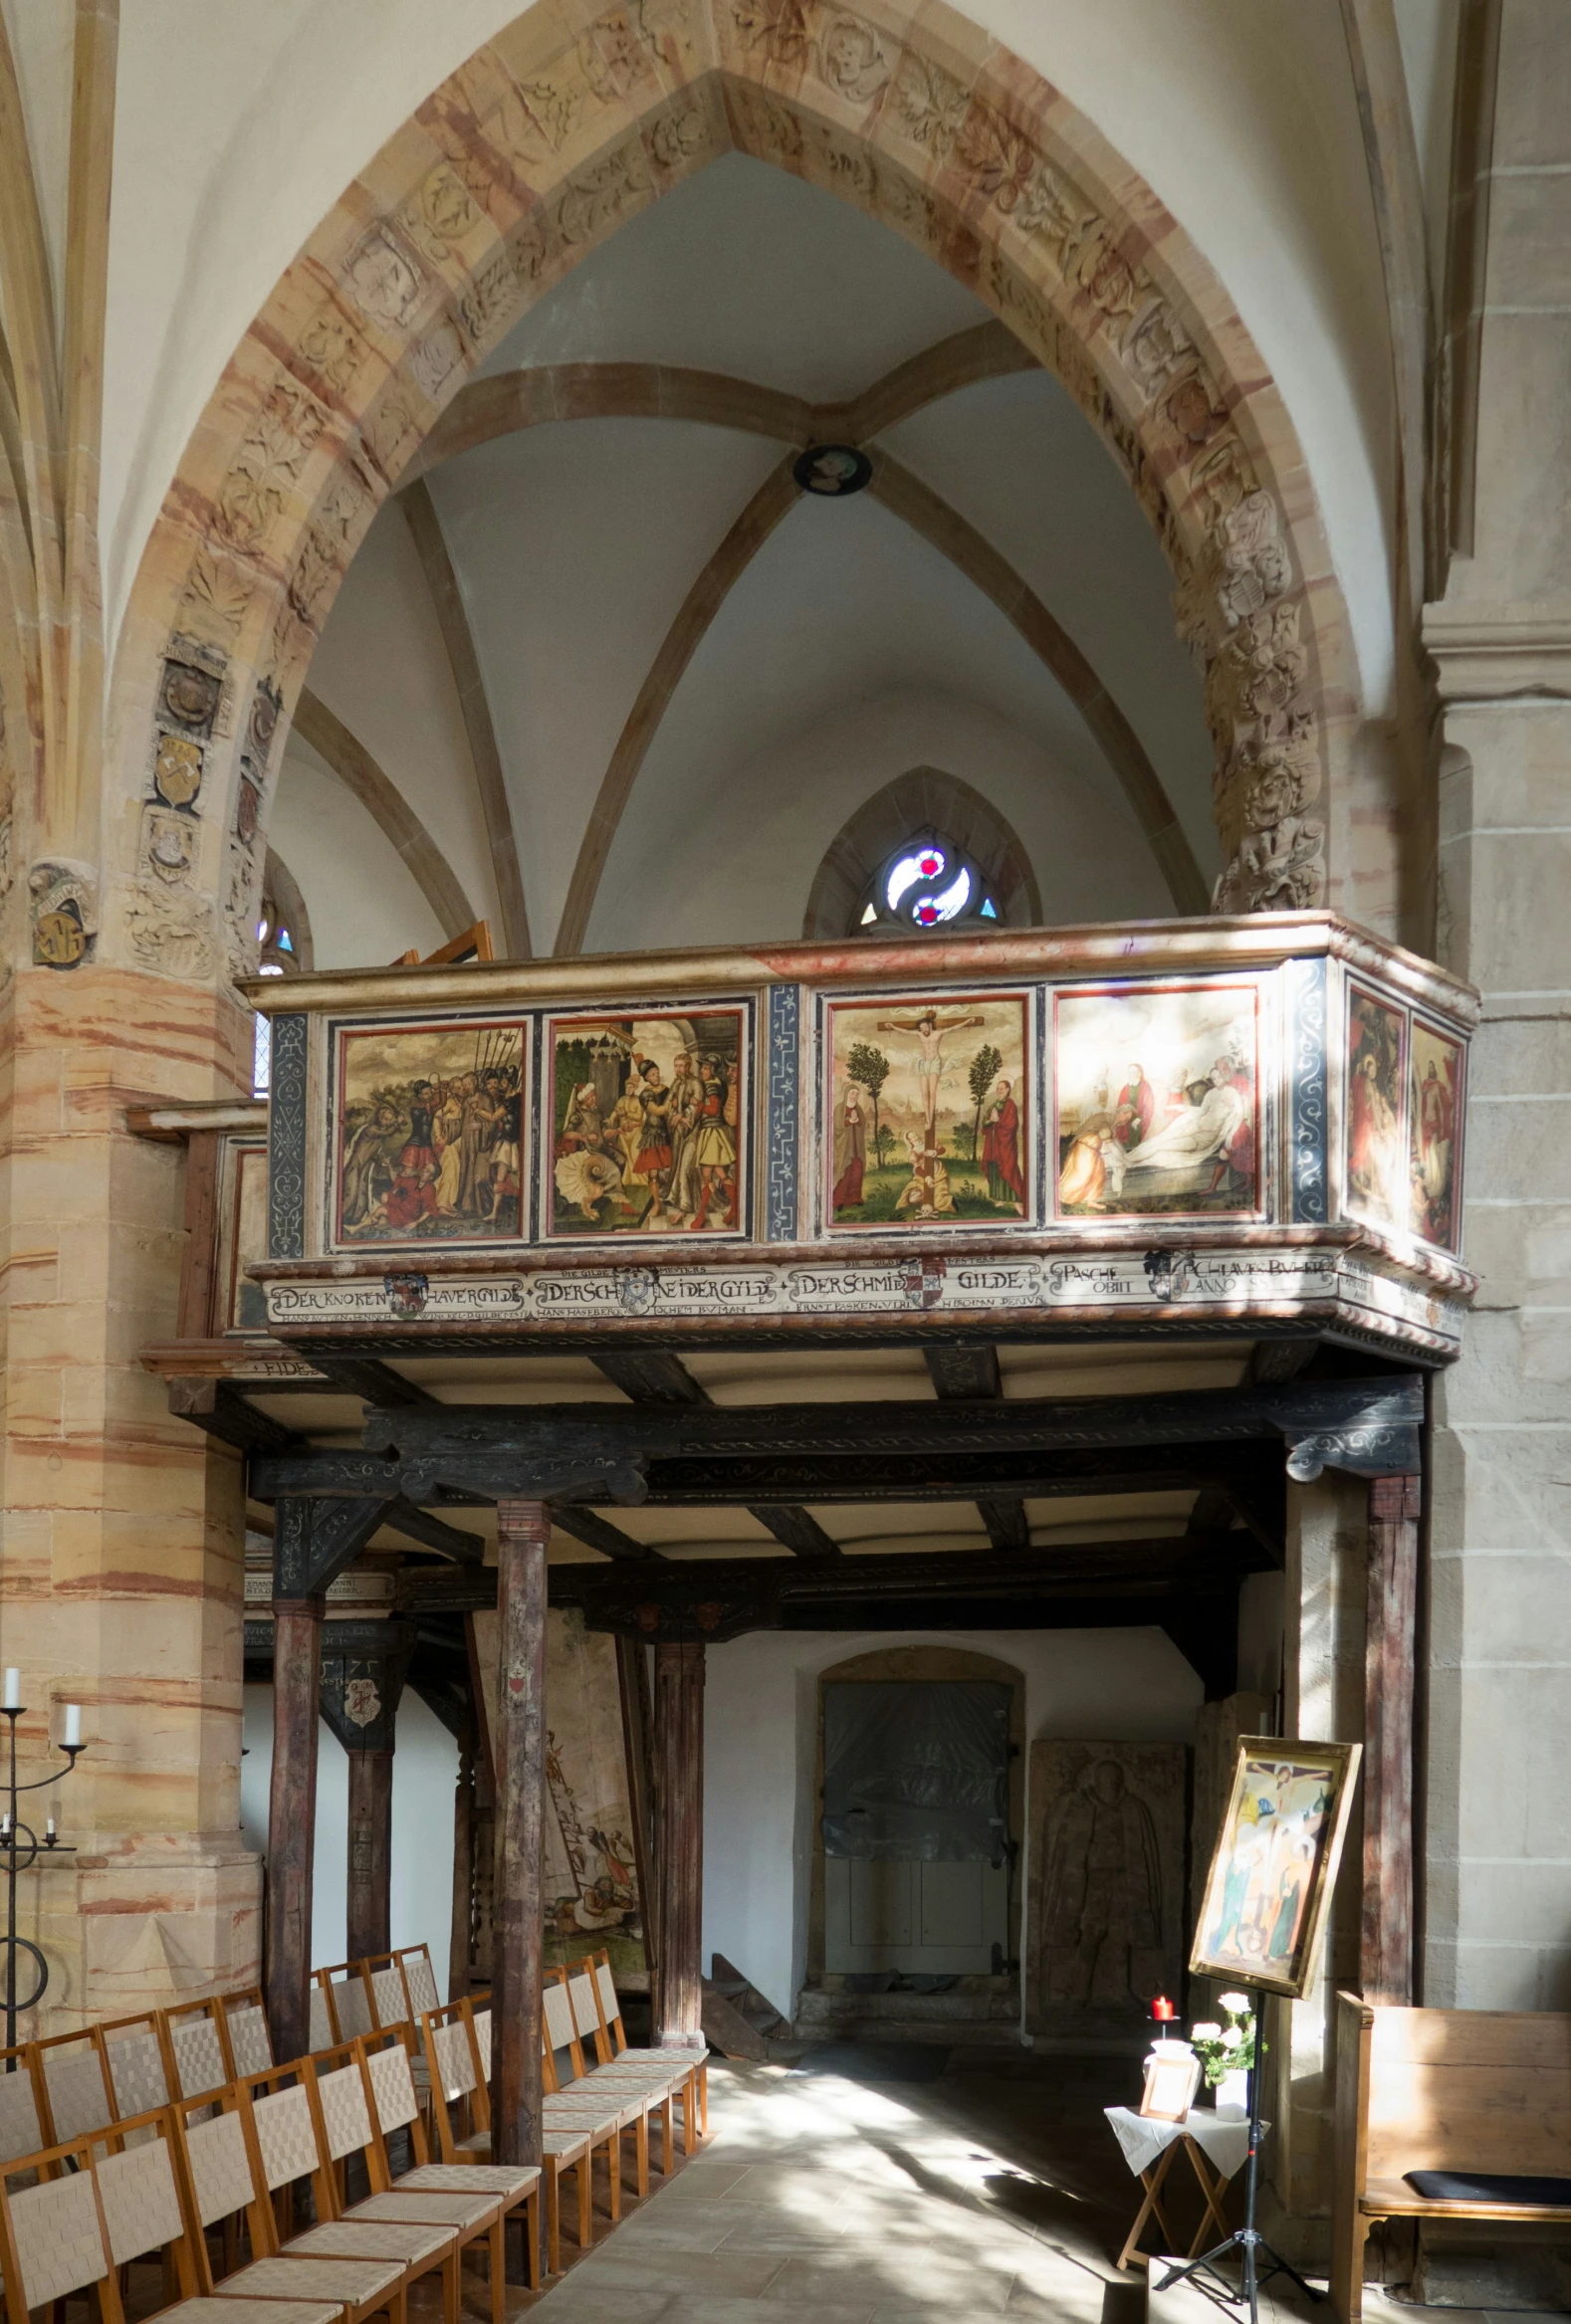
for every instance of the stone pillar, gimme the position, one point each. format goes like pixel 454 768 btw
pixel 519 1746
pixel 1390 1646
pixel 291 1819
pixel 363 1673
pixel 122 1526
pixel 679 1842
pixel 1497 1875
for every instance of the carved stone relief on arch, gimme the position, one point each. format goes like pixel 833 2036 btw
pixel 540 147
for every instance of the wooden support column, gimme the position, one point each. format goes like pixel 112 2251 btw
pixel 679 1842
pixel 1391 1643
pixel 518 1745
pixel 368 1906
pixel 291 1819
pixel 364 1667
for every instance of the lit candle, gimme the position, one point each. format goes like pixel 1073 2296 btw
pixel 73 1734
pixel 12 1691
pixel 1163 2010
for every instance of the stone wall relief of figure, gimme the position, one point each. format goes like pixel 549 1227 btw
pixel 1434 1125
pixel 929 1109
pixel 1375 1074
pixel 649 1124
pixel 1105 1910
pixel 430 1134
pixel 1159 1101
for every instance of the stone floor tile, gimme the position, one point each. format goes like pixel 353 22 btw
pixel 721 2273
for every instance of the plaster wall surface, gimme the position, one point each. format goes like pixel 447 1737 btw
pixel 425 1777
pixel 1242 121
pixel 761 1709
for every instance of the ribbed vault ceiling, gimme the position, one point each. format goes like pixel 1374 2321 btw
pixel 496 662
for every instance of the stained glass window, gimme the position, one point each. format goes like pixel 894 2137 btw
pixel 928 884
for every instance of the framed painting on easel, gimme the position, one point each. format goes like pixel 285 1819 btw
pixel 1274 1864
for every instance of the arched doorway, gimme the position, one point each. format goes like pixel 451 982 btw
pixel 918 1802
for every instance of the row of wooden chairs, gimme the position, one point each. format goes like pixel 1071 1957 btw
pixel 70 2086
pixel 178 2181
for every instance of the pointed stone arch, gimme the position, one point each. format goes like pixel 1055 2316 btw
pixel 923 799
pixel 535 151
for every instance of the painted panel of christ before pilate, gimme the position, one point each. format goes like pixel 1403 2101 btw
pixel 1158 1100
pixel 929 1109
pixel 429 1132
pixel 649 1124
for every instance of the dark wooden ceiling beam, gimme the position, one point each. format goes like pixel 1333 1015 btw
pixel 653 1375
pixel 376 1383
pixel 598 1533
pixel 649 1375
pixel 967 1372
pixel 449 1541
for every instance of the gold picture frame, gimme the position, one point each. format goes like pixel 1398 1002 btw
pixel 1274 1864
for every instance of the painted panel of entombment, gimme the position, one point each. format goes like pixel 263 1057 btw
pixel 1437 1102
pixel 427 1132
pixel 1160 1101
pixel 929 1109
pixel 648 1124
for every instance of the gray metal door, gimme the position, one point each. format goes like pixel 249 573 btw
pixel 916 1825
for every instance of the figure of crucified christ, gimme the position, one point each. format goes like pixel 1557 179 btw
pixel 929 1029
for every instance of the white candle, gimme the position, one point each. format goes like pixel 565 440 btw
pixel 51 1828
pixel 13 1690
pixel 73 1724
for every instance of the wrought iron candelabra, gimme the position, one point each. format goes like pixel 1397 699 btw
pixel 21 1846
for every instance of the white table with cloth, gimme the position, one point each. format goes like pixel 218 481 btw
pixel 1217 2145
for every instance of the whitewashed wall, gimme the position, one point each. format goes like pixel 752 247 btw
pixel 760 1737
pixel 425 1776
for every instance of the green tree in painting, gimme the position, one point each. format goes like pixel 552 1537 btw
pixel 884 1144
pixel 870 1067
pixel 985 1069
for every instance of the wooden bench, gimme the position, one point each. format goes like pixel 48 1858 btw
pixel 1469 2090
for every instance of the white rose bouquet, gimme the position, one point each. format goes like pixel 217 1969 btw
pixel 1225 2049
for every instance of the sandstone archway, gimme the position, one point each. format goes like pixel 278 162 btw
pixel 535 149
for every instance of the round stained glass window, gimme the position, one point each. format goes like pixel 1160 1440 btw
pixel 928 884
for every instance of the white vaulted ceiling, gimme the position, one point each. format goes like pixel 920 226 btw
pixel 848 651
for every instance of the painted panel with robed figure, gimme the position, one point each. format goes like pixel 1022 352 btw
pixel 429 1123
pixel 1158 1100
pixel 930 1103
pixel 1375 1074
pixel 650 1123
pixel 1436 1106
pixel 1275 1862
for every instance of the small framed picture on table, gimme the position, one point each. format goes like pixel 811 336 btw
pixel 1172 2079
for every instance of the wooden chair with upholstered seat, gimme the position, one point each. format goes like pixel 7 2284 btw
pixel 74 2082
pixel 458 2087
pixel 394 2106
pixel 196 2049
pixel 592 1992
pixel 85 2216
pixel 579 2094
pixel 246 2032
pixel 225 2189
pixel 23 2109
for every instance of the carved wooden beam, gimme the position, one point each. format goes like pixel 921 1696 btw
pixel 449 1541
pixel 968 1373
pixel 375 1383
pixel 596 1533
pixel 653 1375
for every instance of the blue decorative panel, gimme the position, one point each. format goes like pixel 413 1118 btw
pixel 780 1131
pixel 286 1139
pixel 1307 1172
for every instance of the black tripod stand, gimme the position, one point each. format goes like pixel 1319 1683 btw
pixel 1247 2238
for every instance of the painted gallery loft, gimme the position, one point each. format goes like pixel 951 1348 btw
pixel 783 824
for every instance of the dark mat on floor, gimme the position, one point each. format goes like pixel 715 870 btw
pixel 876 2061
